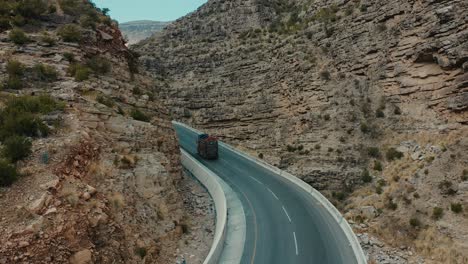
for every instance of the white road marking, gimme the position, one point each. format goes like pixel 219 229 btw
pixel 284 209
pixel 255 180
pixel 295 242
pixel 273 194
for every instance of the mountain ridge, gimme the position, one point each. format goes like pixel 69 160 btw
pixel 136 31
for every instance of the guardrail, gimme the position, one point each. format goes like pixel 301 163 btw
pixel 208 179
pixel 316 195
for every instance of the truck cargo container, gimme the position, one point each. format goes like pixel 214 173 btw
pixel 207 146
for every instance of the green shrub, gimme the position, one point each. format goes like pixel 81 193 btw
pixel 15 70
pixel 317 146
pixel 290 148
pixel 139 115
pixel 365 128
pixel 349 10
pixel 52 9
pixel 446 187
pixel 99 65
pixel 136 91
pixel 437 213
pixel 48 39
pixel 339 195
pixel 79 72
pixel 16 148
pixel 381 27
pixel 260 155
pixel 70 57
pixel 393 154
pixel 326 117
pixel 327 14
pixel 391 205
pixel 377 165
pixel 22 123
pixel 14 67
pixel 373 152
pixel 45 73
pixel 8 173
pixel 325 75
pixel 378 189
pixel 415 222
pixel 31 8
pixel 382 182
pixel 456 208
pixel 75 8
pixel 70 33
pixel 21 116
pixel 365 176
pixel 18 36
pixel 397 110
pixel 141 252
pixel 105 100
pixel 42 104
pixel 13 82
pixel 379 113
pixel 87 21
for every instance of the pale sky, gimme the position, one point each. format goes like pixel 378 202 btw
pixel 158 10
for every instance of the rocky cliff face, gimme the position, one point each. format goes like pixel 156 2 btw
pixel 103 186
pixel 136 31
pixel 340 93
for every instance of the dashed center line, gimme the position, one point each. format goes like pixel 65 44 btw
pixel 273 193
pixel 256 180
pixel 286 212
pixel 295 242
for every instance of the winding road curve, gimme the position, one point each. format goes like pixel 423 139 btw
pixel 284 224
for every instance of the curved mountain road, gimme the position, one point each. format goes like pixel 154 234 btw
pixel 284 224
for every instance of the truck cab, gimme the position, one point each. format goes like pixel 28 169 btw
pixel 207 146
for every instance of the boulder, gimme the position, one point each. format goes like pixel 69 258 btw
pixel 82 257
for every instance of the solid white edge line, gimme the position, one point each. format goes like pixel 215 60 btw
pixel 286 212
pixel 295 242
pixel 273 193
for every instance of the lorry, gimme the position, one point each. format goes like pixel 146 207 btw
pixel 207 146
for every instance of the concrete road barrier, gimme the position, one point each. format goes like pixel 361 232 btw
pixel 208 179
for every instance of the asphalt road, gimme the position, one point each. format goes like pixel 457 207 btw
pixel 284 224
